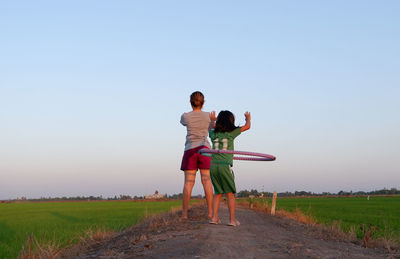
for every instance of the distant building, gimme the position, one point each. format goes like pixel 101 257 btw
pixel 156 195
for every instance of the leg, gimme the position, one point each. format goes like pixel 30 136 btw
pixel 231 206
pixel 190 176
pixel 208 191
pixel 217 199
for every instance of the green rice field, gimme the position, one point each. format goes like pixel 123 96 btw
pixel 382 213
pixel 65 222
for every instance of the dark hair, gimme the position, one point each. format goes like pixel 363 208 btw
pixel 197 99
pixel 225 122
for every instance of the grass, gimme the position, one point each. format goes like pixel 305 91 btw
pixel 63 223
pixel 379 215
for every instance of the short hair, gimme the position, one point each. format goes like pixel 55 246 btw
pixel 197 99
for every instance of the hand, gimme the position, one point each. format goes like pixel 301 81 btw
pixel 212 116
pixel 247 116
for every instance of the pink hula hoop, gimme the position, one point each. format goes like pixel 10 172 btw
pixel 249 156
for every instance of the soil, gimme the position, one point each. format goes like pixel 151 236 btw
pixel 259 236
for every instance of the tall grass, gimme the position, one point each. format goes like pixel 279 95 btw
pixel 63 223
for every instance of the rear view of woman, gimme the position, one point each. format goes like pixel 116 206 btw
pixel 197 123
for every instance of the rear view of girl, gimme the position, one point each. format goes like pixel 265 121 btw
pixel 222 177
pixel 198 123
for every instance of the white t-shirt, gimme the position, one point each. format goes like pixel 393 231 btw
pixel 197 124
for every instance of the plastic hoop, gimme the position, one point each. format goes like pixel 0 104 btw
pixel 249 156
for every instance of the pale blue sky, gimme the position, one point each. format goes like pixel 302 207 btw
pixel 91 93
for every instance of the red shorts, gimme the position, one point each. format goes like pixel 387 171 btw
pixel 192 160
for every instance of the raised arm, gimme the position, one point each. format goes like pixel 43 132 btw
pixel 213 119
pixel 247 116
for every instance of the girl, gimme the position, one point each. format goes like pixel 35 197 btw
pixel 221 164
pixel 198 123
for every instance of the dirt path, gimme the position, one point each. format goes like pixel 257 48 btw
pixel 258 236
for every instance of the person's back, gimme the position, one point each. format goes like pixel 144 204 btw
pixel 224 141
pixel 197 125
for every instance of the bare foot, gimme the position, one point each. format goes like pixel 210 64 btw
pixel 213 221
pixel 234 223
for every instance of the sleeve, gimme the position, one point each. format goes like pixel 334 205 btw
pixel 183 121
pixel 207 116
pixel 236 132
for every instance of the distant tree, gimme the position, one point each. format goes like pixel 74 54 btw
pixel 175 196
pixel 125 197
pixel 254 192
pixel 243 194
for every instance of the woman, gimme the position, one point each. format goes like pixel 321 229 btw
pixel 198 123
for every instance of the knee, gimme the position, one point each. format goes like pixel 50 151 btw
pixel 189 184
pixel 230 195
pixel 205 179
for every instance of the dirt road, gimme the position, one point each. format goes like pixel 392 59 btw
pixel 258 236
